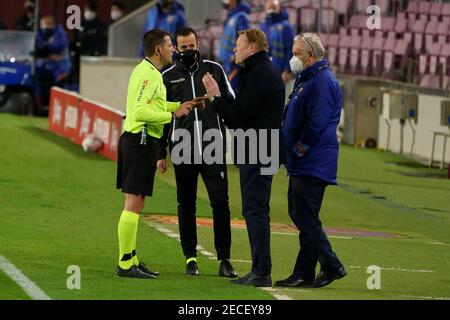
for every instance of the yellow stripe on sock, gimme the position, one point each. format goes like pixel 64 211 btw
pixel 191 259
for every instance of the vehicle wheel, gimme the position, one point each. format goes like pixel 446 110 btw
pixel 21 103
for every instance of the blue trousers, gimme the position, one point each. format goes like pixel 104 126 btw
pixel 305 197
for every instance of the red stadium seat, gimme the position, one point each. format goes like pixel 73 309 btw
pixel 366 50
pixel 329 20
pixel 443 31
pixel 344 47
pixel 430 80
pixel 308 18
pixel 332 42
pixel 355 48
pixel 362 5
pixel 377 54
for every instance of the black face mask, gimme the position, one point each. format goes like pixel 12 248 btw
pixel 48 32
pixel 189 57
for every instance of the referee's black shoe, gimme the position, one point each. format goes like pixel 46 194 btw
pixel 226 270
pixel 134 272
pixel 143 267
pixel 192 268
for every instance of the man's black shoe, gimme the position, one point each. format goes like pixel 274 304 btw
pixel 145 269
pixel 192 268
pixel 295 281
pixel 134 272
pixel 226 270
pixel 254 280
pixel 325 277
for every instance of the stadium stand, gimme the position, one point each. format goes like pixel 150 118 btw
pixel 414 39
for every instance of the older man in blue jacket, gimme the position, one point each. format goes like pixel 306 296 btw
pixel 309 130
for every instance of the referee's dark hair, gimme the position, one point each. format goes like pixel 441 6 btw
pixel 184 32
pixel 152 39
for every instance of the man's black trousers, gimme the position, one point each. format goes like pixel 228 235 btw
pixel 255 191
pixel 216 182
pixel 305 197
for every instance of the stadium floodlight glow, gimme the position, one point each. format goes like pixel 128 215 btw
pixel 2 89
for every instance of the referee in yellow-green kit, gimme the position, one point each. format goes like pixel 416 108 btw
pixel 147 113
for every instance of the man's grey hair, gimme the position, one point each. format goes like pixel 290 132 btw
pixel 310 42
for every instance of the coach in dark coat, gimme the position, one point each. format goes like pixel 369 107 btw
pixel 259 105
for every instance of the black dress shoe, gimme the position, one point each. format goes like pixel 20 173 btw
pixel 254 280
pixel 295 281
pixel 134 272
pixel 326 277
pixel 226 270
pixel 192 269
pixel 145 269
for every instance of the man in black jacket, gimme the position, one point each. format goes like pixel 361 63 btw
pixel 258 108
pixel 184 83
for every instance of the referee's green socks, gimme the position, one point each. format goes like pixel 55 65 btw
pixel 127 230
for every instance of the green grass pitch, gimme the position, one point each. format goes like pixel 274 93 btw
pixel 59 207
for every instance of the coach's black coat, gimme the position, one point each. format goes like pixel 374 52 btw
pixel 259 100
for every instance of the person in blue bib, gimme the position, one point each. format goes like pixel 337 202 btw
pixel 167 15
pixel 238 19
pixel 281 35
pixel 309 128
pixel 53 64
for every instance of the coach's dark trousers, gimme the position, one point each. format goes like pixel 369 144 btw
pixel 216 182
pixel 304 200
pixel 255 191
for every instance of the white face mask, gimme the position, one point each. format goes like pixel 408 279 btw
pixel 116 15
pixel 296 64
pixel 89 15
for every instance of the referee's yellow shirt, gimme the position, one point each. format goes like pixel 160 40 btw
pixel 146 101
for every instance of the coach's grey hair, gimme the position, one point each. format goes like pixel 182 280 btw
pixel 311 42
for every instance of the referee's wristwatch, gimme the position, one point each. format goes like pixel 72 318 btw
pixel 174 116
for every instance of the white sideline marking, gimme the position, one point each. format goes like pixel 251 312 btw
pixel 211 256
pixel 296 234
pixel 439 244
pixel 425 297
pixel 242 261
pixel 31 289
pixel 394 269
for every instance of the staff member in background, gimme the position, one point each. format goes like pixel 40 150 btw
pixel 184 82
pixel 27 21
pixel 281 35
pixel 147 112
pixel 259 105
pixel 167 15
pixel 91 38
pixel 118 10
pixel 52 56
pixel 309 131
pixel 238 19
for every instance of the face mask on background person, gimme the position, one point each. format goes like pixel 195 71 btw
pixel 296 64
pixel 89 15
pixel 48 32
pixel 189 57
pixel 116 15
